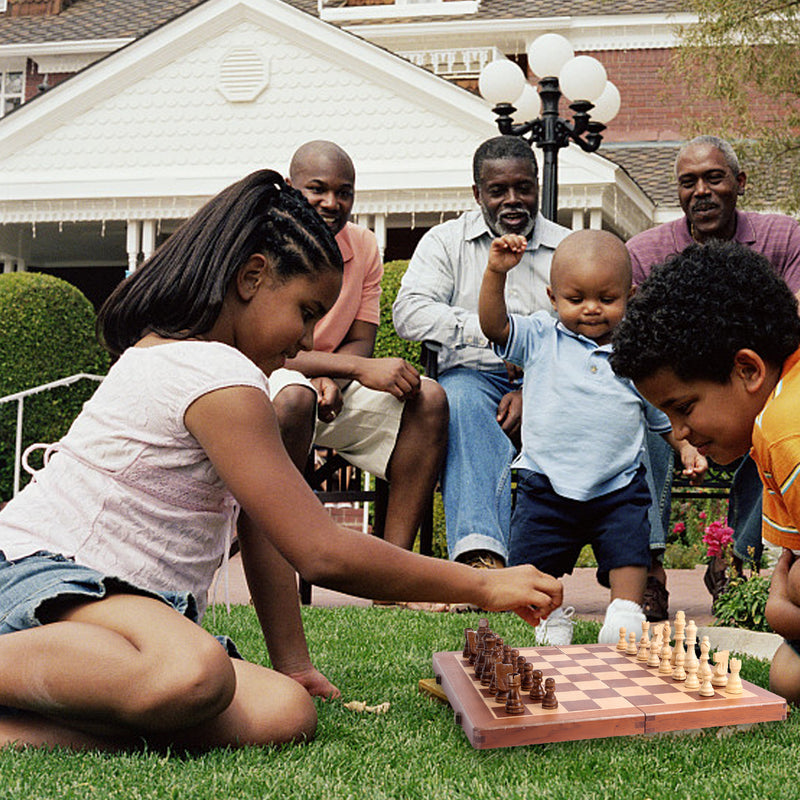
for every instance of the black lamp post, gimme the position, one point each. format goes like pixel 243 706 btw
pixel 582 77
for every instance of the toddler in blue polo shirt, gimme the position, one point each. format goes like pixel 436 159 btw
pixel 580 474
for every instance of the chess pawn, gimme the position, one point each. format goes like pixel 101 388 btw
pixel 631 649
pixel 720 674
pixel 644 649
pixel 537 692
pixel 679 673
pixel 622 643
pixel 514 704
pixel 706 688
pixel 665 667
pixel 734 681
pixel 655 650
pixel 549 700
pixel 527 677
pixel 692 680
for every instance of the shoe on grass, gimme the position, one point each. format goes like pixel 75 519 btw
pixel 556 629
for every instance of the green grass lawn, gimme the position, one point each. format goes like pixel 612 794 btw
pixel 416 750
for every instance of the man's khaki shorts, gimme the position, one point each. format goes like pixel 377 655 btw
pixel 365 431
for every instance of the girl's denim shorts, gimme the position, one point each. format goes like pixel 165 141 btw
pixel 30 584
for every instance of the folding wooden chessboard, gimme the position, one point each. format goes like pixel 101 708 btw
pixel 601 692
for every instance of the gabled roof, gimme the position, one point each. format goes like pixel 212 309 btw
pixel 119 19
pixel 93 19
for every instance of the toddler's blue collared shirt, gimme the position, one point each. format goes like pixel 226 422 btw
pixel 582 426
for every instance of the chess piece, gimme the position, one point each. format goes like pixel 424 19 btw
pixel 469 637
pixel 644 642
pixel 622 644
pixel 706 688
pixel 705 668
pixel 527 677
pixel 720 676
pixel 488 666
pixel 537 692
pixel 502 671
pixel 665 667
pixel 734 680
pixel 680 627
pixel 679 671
pixel 631 649
pixel 549 700
pixel 692 680
pixel 691 641
pixel 655 650
pixel 514 704
pixel 486 645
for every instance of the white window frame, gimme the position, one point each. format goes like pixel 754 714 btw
pixel 3 4
pixel 3 94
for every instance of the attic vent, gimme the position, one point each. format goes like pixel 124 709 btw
pixel 243 75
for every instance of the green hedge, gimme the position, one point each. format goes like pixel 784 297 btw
pixel 46 333
pixel 387 342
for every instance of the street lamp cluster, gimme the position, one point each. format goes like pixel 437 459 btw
pixel 522 111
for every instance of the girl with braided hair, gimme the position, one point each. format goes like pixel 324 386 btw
pixel 108 556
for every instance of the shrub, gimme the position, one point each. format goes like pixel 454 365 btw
pixel 47 333
pixel 743 603
pixel 387 342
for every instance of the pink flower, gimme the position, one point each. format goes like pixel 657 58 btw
pixel 702 515
pixel 717 536
pixel 679 527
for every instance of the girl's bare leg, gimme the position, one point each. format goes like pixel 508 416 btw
pixel 124 668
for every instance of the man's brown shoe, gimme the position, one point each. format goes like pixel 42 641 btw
pixel 483 559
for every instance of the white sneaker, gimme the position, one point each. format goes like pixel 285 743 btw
pixel 621 614
pixel 557 628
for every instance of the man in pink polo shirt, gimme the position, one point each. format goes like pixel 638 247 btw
pixel 379 413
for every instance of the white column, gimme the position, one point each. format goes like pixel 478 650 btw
pixel 380 232
pixel 577 219
pixel 21 266
pixel 148 238
pixel 133 243
pixel 596 219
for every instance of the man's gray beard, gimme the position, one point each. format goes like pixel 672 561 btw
pixel 498 229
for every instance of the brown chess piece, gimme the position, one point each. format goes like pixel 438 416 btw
pixel 467 646
pixel 502 672
pixel 537 692
pixel 514 704
pixel 549 700
pixel 527 677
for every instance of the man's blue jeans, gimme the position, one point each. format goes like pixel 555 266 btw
pixel 659 459
pixel 476 478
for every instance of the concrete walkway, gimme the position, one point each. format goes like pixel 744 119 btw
pixel 581 590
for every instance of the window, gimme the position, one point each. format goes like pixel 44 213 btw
pixel 12 90
pixel 2 5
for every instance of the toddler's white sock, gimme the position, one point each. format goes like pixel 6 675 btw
pixel 621 614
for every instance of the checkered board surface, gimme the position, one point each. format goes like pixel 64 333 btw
pixel 601 692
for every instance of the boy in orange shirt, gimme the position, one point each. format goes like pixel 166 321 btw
pixel 712 338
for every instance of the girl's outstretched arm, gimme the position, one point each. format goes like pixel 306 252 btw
pixel 273 590
pixel 237 428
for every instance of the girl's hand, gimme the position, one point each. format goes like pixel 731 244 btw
pixel 315 683
pixel 506 252
pixel 527 591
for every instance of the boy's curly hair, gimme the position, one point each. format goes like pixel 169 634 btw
pixel 697 310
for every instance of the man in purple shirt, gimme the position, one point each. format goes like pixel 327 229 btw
pixel 710 183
